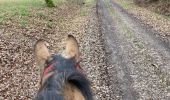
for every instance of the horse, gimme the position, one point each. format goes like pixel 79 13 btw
pixel 61 77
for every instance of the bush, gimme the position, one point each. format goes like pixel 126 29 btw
pixel 49 3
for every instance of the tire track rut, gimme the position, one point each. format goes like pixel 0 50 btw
pixel 138 61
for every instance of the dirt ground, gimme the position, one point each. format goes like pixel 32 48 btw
pixel 19 75
pixel 139 60
pixel 123 58
pixel 158 23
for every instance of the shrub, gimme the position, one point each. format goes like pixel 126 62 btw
pixel 49 3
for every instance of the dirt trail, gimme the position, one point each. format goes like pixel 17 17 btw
pixel 139 59
pixel 123 59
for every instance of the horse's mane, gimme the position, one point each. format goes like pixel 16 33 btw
pixel 52 89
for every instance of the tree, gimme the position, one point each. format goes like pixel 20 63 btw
pixel 49 3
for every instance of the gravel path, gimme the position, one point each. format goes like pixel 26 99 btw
pixel 140 60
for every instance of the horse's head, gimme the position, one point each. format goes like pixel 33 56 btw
pixel 60 75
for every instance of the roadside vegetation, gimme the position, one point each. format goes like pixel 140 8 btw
pixel 49 3
pixel 158 21
pixel 22 11
pixel 159 6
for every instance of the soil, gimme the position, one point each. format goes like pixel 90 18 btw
pixel 122 57
pixel 138 59
pixel 19 74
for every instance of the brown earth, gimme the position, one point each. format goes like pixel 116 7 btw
pixel 19 75
pixel 119 56
pixel 158 23
pixel 139 61
pixel 160 8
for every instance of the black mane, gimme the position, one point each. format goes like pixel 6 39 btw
pixel 53 87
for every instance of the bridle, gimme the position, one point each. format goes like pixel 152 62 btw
pixel 50 68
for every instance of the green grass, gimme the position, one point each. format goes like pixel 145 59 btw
pixel 49 24
pixel 23 23
pixel 83 12
pixel 9 3
pixel 58 2
pixel 90 2
pixel 166 17
pixel 20 8
pixel 126 3
pixel 17 8
pixel 41 15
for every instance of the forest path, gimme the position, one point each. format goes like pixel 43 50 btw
pixel 141 60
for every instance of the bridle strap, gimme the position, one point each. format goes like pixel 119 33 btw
pixel 50 68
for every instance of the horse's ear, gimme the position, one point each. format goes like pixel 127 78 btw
pixel 72 49
pixel 41 52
